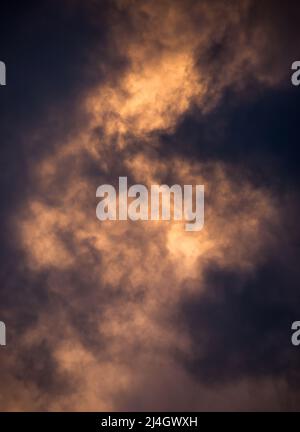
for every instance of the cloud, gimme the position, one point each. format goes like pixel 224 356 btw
pixel 123 315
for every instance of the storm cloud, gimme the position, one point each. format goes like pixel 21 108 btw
pixel 122 315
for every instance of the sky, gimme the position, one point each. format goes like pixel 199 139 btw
pixel 144 316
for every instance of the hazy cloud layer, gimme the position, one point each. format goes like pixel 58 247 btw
pixel 144 315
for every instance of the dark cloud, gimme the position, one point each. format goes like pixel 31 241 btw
pixel 103 316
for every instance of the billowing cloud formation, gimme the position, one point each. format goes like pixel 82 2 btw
pixel 144 315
